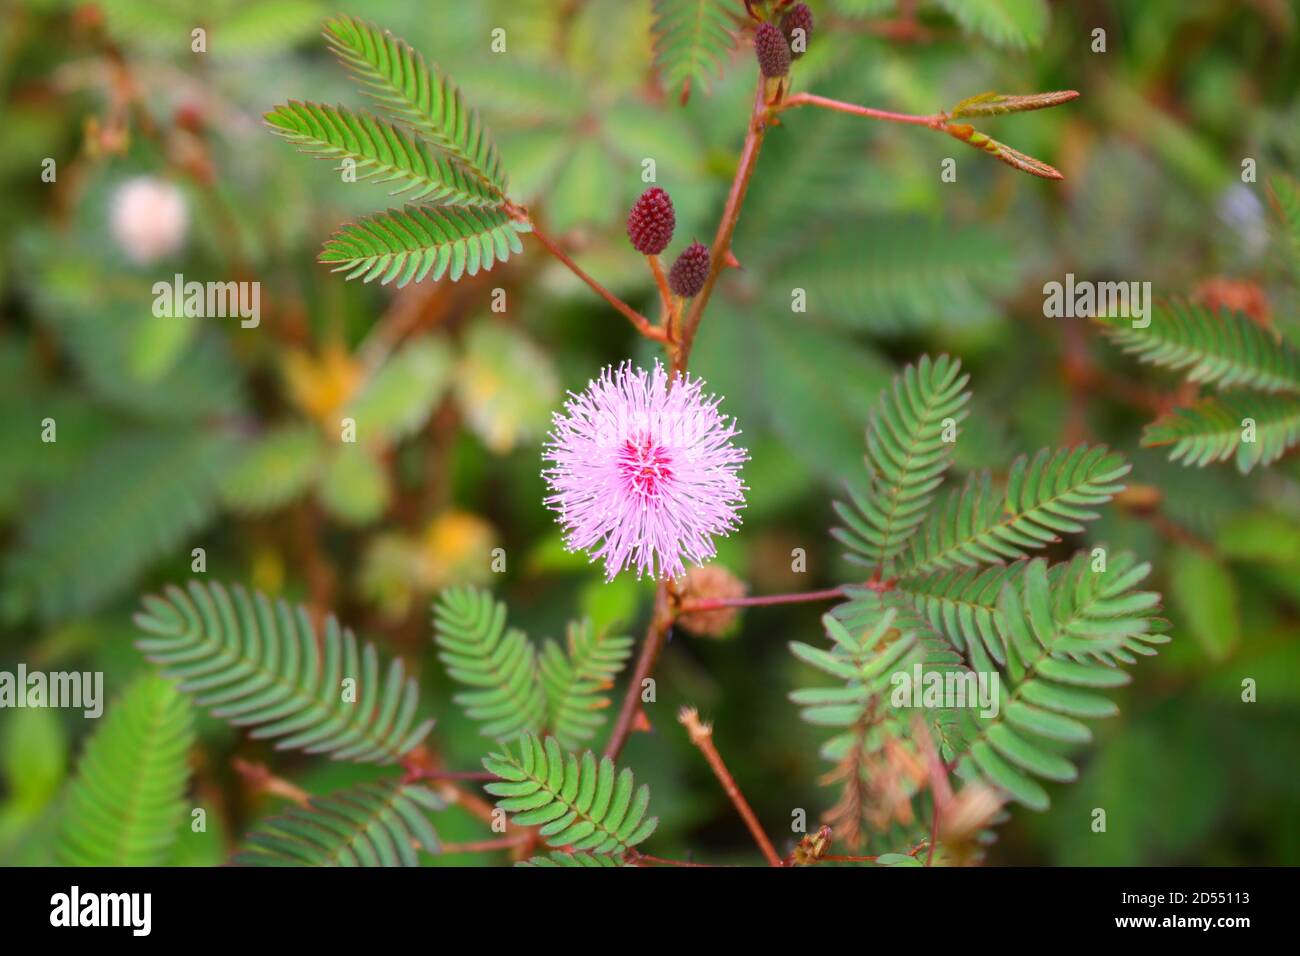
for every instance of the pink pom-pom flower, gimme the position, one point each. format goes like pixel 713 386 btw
pixel 643 472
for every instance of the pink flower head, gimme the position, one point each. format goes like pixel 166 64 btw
pixel 643 473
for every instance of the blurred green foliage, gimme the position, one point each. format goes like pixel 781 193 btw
pixel 179 434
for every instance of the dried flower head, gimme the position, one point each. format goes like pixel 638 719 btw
pixel 644 472
pixel 651 222
pixel 712 582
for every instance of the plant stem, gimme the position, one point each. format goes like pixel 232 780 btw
pixel 720 252
pixel 665 294
pixel 713 604
pixel 680 351
pixel 646 858
pixel 661 623
pixel 423 774
pixel 934 121
pixel 263 781
pixel 639 321
pixel 486 846
pixel 701 735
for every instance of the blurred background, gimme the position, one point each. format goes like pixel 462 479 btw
pixel 177 434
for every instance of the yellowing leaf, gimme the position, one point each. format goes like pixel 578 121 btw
pixel 321 385
pixel 505 386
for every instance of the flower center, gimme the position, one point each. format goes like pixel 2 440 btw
pixel 645 466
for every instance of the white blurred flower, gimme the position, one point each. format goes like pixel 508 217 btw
pixel 149 219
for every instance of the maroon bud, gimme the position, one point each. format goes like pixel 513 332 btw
pixel 651 222
pixel 772 50
pixel 799 18
pixel 688 274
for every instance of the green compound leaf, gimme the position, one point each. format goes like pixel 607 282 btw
pixel 1016 24
pixel 264 665
pixel 1286 195
pixel 996 104
pixel 579 804
pixel 574 677
pixel 907 454
pixel 1063 635
pixel 398 399
pixel 138 498
pixel 127 801
pixel 382 153
pixel 418 242
pixel 1216 428
pixel 692 39
pixel 375 824
pixel 1045 497
pixel 499 665
pixel 273 469
pixel 1211 348
pixel 429 103
pixel 354 485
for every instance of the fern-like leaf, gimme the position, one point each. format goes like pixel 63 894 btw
pixel 579 804
pixel 416 242
pixel 126 803
pixel 1286 194
pixel 1212 348
pixel 375 824
pixel 137 498
pixel 274 468
pixel 382 153
pixel 574 677
pixel 1214 430
pixel 872 638
pixel 907 455
pixel 263 665
pixel 499 664
pixel 1063 637
pixel 961 604
pixel 691 41
pixel 894 273
pixel 1001 151
pixel 997 104
pixel 429 103
pixel 1045 497
pixel 1017 24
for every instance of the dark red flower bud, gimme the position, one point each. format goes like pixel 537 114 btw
pixel 772 50
pixel 686 277
pixel 651 222
pixel 799 18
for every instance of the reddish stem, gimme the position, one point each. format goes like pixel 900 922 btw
pixel 701 735
pixel 661 281
pixel 639 321
pixel 661 623
pixel 720 251
pixel 934 121
pixel 486 846
pixel 435 774
pixel 713 604
pixel 642 858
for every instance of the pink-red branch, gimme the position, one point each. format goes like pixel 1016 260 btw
pixel 639 321
pixel 934 121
